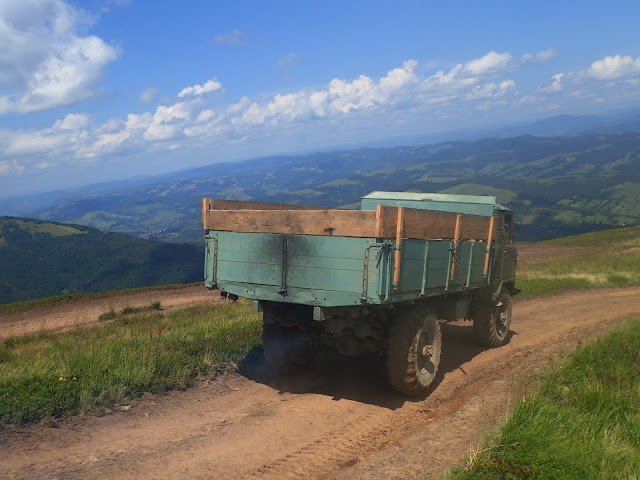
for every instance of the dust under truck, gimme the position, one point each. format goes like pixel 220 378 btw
pixel 376 279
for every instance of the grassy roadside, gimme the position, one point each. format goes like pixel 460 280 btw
pixel 109 365
pixel 613 262
pixel 50 302
pixel 584 421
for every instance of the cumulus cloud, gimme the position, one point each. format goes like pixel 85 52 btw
pixel 612 68
pixel 45 63
pixel 195 90
pixel 492 62
pixel 620 71
pixel 73 121
pixel 474 71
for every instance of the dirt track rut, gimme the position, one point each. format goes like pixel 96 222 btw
pixel 340 420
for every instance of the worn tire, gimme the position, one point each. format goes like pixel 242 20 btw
pixel 286 350
pixel 491 322
pixel 413 357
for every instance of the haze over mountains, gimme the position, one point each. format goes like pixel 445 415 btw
pixel 563 175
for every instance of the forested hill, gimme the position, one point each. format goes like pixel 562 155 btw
pixel 41 259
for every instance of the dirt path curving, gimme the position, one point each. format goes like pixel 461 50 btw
pixel 86 312
pixel 340 420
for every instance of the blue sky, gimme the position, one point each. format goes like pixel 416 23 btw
pixel 98 90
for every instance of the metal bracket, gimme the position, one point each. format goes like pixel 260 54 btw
pixel 214 272
pixel 283 286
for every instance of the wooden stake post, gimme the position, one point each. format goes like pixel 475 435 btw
pixel 456 240
pixel 398 258
pixel 489 240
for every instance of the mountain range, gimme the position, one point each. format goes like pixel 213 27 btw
pixel 557 185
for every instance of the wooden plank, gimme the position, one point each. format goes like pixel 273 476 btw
pixel 220 204
pixel 346 223
pixel 225 215
pixel 430 224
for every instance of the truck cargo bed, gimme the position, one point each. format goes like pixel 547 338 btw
pixel 331 257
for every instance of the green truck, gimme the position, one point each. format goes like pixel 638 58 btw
pixel 380 278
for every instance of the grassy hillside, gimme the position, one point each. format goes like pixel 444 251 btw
pixel 41 259
pixel 608 258
pixel 557 186
pixel 582 423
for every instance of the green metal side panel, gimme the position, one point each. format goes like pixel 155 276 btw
pixel 337 271
pixel 469 204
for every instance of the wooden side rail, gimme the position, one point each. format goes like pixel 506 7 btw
pixel 302 220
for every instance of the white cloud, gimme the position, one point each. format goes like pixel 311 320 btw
pixel 492 62
pixel 135 122
pixel 32 143
pixel 233 39
pixel 618 74
pixel 45 63
pixel 611 68
pixel 208 87
pixel 552 85
pixel 491 90
pixel 73 121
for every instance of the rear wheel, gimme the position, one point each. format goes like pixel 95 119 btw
pixel 286 349
pixel 491 321
pixel 414 351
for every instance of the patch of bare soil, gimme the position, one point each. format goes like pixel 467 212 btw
pixel 86 313
pixel 340 420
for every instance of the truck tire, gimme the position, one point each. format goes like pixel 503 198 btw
pixel 286 349
pixel 415 342
pixel 491 322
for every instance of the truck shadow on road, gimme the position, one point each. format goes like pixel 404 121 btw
pixel 363 378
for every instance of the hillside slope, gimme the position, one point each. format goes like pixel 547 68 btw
pixel 41 259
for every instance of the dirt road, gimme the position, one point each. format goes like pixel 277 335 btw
pixel 84 313
pixel 338 421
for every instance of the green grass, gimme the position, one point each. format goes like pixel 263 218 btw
pixel 584 422
pixel 627 235
pixel 612 261
pixel 48 376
